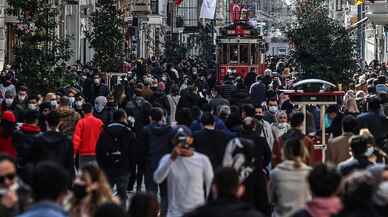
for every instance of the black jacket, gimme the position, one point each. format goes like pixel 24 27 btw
pixel 211 143
pixel 224 208
pixel 53 146
pixel 126 140
pixel 156 143
pixel 23 140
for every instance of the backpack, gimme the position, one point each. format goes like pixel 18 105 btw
pixel 114 153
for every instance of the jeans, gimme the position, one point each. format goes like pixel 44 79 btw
pixel 121 183
pixel 86 160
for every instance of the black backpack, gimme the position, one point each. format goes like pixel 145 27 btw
pixel 114 153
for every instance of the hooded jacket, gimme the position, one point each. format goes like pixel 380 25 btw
pixel 289 188
pixel 126 140
pixel 225 207
pixel 23 140
pixel 156 143
pixel 53 146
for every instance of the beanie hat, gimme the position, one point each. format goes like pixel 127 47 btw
pixel 9 116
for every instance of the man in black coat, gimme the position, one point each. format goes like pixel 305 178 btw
pixel 211 142
pixel 115 153
pixel 53 145
pixel 227 190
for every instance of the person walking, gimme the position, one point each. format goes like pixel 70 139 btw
pixel 189 175
pixel 291 172
pixel 115 153
pixel 86 134
pixel 227 190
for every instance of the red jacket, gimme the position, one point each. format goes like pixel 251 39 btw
pixel 6 145
pixel 86 134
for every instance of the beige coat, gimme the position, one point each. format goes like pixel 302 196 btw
pixel 338 148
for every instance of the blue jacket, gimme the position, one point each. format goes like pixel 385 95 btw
pixel 45 209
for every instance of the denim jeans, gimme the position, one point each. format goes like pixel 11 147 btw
pixel 86 160
pixel 121 183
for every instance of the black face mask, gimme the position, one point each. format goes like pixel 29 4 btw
pixel 259 117
pixel 79 191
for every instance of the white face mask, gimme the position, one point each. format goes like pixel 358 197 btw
pixel 8 101
pixel 369 151
pixel 78 104
pixel 273 109
pixel 71 100
pixel 54 103
pixel 97 81
pixel 32 107
pixel 21 97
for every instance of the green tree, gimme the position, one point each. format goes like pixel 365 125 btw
pixel 41 54
pixel 106 36
pixel 322 46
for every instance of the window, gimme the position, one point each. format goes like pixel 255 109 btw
pixel 154 6
pixel 244 52
pixel 188 10
pixel 338 5
pixel 233 53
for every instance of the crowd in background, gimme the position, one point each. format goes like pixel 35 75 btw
pixel 195 146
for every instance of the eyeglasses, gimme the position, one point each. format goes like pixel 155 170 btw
pixel 10 176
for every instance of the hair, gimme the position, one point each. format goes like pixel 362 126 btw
pixel 143 205
pixel 324 173
pixel 5 157
pixel 293 148
pixel 53 119
pixel 104 192
pixel 296 119
pixel 7 128
pixel 332 109
pixel 207 119
pixel 349 123
pixel 370 139
pixel 227 182
pixel 156 114
pixel 249 110
pixel 31 116
pixel 357 190
pixel 109 209
pixel 87 108
pixel 118 115
pixel 49 181
pixel 373 104
pixel 359 145
pixel 184 116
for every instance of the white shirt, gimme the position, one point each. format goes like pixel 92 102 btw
pixel 186 177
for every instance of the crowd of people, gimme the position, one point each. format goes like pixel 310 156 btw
pixel 172 142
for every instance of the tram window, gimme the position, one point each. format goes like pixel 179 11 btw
pixel 223 54
pixel 253 54
pixel 233 53
pixel 244 52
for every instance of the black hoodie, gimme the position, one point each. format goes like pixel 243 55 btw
pixel 53 146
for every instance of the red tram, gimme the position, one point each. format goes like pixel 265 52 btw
pixel 239 49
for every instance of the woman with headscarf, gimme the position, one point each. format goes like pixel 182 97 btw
pixel 350 103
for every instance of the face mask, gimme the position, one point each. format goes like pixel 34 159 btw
pixel 8 101
pixel 54 103
pixel 273 109
pixel 79 191
pixel 282 125
pixel 21 97
pixel 97 81
pixel 99 108
pixel 71 100
pixel 78 104
pixel 369 151
pixel 259 117
pixel 32 107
